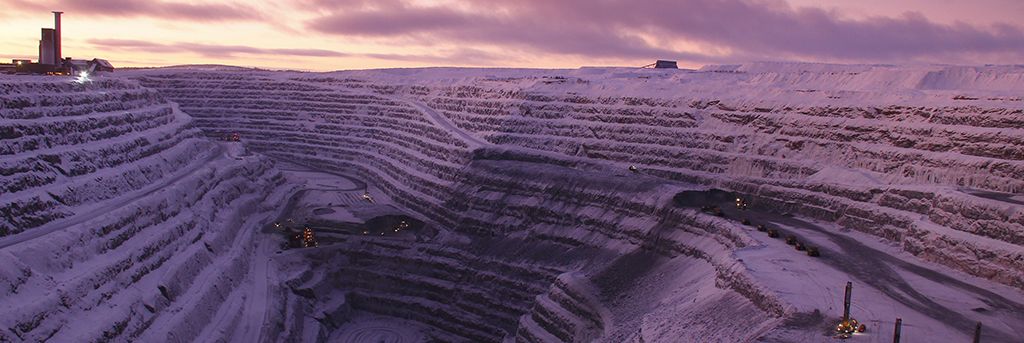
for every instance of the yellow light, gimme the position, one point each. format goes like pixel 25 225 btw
pixel 19 62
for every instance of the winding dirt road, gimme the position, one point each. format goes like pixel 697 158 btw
pixel 883 271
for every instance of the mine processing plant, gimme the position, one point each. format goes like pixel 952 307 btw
pixel 51 60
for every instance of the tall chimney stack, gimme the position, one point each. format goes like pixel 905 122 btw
pixel 56 39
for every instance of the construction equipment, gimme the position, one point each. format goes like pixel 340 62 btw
pixel 309 238
pixel 741 204
pixel 813 252
pixel 799 246
pixel 791 240
pixel 848 326
pixel 773 233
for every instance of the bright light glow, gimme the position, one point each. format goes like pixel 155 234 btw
pixel 19 62
pixel 83 77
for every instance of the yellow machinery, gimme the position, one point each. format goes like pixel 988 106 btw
pixel 309 238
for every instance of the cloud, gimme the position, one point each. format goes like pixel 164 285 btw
pixel 206 12
pixel 209 50
pixel 462 56
pixel 480 32
pixel 397 19
pixel 729 29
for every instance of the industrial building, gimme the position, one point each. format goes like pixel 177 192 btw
pixel 662 64
pixel 51 60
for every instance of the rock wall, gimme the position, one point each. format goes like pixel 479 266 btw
pixel 118 221
pixel 511 221
pixel 874 168
pixel 527 170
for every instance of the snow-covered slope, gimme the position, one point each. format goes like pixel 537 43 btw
pixel 548 237
pixel 480 195
pixel 118 221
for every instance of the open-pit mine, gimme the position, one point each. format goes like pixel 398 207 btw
pixel 732 203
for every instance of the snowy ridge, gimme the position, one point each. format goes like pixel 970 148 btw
pixel 113 210
pixel 536 205
pixel 776 154
pixel 917 156
pixel 1003 79
pixel 569 311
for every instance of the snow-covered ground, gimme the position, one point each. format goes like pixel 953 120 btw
pixel 370 328
pixel 522 218
pixel 918 157
pixel 932 300
pixel 120 222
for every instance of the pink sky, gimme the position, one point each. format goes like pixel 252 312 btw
pixel 358 34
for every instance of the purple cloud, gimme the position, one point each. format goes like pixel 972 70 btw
pixel 209 50
pixel 397 19
pixel 465 56
pixel 158 9
pixel 460 56
pixel 749 29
